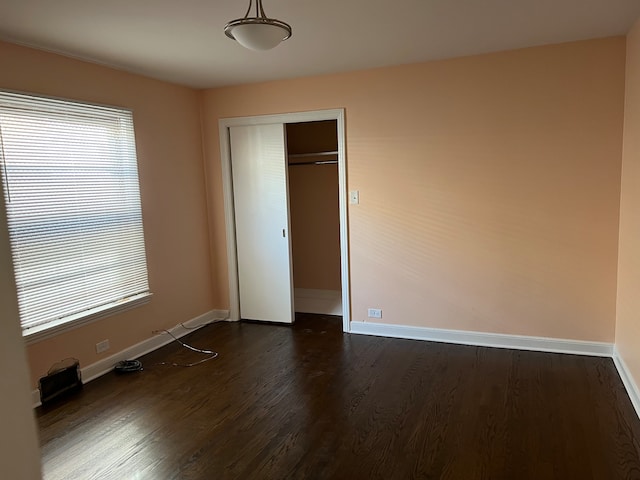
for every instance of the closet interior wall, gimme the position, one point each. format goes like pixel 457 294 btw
pixel 314 216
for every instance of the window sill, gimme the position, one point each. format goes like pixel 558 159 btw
pixel 42 332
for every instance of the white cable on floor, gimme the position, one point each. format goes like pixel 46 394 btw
pixel 211 353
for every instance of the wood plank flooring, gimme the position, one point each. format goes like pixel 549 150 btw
pixel 308 402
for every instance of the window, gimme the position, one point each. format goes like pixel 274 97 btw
pixel 70 181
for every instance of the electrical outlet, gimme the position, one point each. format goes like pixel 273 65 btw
pixel 375 313
pixel 102 346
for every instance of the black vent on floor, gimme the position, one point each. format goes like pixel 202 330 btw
pixel 62 378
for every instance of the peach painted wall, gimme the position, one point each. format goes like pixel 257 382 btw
pixel 314 207
pixel 168 137
pixel 489 186
pixel 628 312
pixel 19 452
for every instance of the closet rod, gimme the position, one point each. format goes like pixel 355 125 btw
pixel 320 162
pixel 314 154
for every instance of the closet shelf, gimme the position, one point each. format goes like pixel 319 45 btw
pixel 319 162
pixel 314 154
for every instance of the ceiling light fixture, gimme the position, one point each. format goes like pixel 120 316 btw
pixel 259 32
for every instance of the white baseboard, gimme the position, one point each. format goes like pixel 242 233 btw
pixel 99 368
pixel 327 302
pixel 518 342
pixel 35 398
pixel 628 381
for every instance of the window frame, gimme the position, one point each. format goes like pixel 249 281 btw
pixel 56 327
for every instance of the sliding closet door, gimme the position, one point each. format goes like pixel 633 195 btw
pixel 261 204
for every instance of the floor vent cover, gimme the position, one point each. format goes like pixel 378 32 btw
pixel 61 379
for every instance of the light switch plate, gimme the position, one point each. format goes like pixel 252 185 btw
pixel 354 197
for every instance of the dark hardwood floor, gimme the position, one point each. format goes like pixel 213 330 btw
pixel 309 402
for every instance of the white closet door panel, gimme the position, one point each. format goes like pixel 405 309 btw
pixel 261 204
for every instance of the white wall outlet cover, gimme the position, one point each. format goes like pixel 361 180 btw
pixel 354 197
pixel 374 313
pixel 102 346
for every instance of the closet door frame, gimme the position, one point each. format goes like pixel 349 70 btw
pixel 227 183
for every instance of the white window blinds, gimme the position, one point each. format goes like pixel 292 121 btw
pixel 70 178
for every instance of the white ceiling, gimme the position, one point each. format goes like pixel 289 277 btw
pixel 182 41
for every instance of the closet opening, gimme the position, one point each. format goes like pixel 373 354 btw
pixel 285 196
pixel 314 207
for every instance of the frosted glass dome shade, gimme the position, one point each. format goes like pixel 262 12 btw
pixel 258 35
